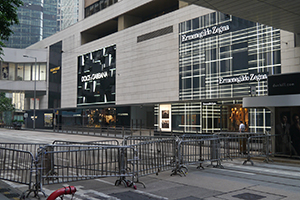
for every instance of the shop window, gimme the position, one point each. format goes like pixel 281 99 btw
pixel 48 119
pixel 102 117
pixel 236 114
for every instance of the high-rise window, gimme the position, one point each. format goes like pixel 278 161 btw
pixel 38 20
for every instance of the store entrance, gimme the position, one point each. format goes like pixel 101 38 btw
pixel 232 115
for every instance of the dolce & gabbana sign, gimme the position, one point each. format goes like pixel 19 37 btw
pixel 242 78
pixel 205 32
pixel 92 77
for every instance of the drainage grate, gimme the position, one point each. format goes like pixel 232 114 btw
pixel 249 196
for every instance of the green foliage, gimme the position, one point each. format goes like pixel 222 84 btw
pixel 8 17
pixel 5 103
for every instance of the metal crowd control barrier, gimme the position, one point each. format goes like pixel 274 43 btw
pixel 154 157
pixel 138 156
pixel 30 147
pixel 198 151
pixel 197 136
pixel 100 142
pixel 66 163
pixel 132 140
pixel 259 146
pixel 16 166
pixel 115 132
pixel 243 145
pixel 18 163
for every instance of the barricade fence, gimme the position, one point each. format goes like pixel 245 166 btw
pixel 132 140
pixel 235 145
pixel 64 161
pixel 198 151
pixel 30 147
pixel 16 166
pixel 100 142
pixel 154 156
pixel 113 132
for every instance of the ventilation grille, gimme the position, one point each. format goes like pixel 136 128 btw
pixel 155 34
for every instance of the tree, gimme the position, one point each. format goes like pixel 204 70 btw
pixel 8 17
pixel 5 104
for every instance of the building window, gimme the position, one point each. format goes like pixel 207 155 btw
pixel 23 72
pixel 27 74
pixel 42 72
pixel 4 71
pixel 98 6
pixel 20 72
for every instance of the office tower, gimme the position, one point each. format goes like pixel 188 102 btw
pixel 38 20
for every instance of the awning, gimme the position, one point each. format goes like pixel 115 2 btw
pixel 272 101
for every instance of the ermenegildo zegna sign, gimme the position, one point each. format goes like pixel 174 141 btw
pixel 284 84
pixel 242 78
pixel 210 31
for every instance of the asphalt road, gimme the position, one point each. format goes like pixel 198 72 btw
pixel 266 181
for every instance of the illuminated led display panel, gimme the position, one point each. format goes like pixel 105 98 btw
pixel 96 77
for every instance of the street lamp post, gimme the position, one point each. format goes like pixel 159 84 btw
pixel 34 91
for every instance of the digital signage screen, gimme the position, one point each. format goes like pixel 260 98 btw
pixel 96 77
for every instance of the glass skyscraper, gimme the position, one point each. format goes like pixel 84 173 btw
pixel 67 13
pixel 38 20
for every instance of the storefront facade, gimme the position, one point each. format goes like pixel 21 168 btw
pixel 187 70
pixel 221 60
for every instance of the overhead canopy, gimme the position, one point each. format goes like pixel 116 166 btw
pixel 272 101
pixel 277 13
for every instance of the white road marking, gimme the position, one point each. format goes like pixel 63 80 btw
pixel 103 181
pixel 234 171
